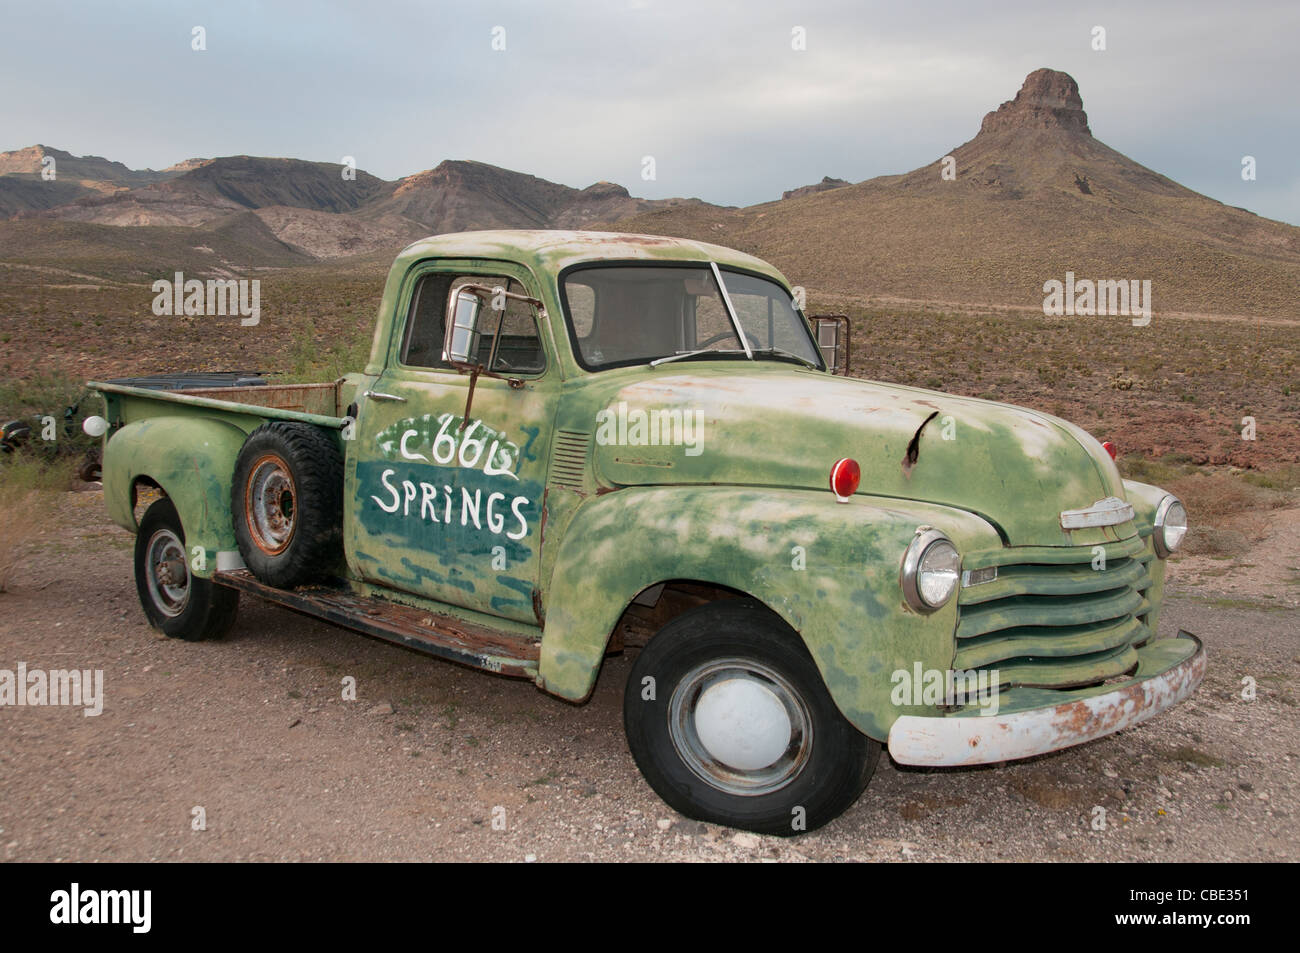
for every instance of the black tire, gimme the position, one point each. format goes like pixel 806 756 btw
pixel 91 468
pixel 177 603
pixel 286 499
pixel 722 651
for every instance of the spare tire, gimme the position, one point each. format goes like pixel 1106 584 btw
pixel 286 499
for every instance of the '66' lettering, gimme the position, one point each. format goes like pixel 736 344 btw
pixel 468 451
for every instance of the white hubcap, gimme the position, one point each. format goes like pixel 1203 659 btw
pixel 743 724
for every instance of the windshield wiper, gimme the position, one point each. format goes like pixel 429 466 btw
pixel 783 354
pixel 686 354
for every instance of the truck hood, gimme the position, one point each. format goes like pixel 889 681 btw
pixel 772 424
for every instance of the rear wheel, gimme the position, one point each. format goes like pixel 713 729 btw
pixel 730 722
pixel 176 602
pixel 286 499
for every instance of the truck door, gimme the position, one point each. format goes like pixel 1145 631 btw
pixel 440 504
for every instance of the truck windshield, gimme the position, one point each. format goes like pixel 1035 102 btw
pixel 634 314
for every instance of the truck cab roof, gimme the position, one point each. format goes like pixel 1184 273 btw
pixel 552 250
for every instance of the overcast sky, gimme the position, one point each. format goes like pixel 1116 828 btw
pixel 712 90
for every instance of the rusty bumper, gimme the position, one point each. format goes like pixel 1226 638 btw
pixel 970 738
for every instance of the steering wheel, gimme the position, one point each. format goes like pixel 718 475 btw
pixel 716 338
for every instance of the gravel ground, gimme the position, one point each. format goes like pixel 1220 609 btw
pixel 437 762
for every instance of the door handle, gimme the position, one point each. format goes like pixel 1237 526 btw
pixel 379 395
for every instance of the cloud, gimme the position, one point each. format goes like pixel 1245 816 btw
pixel 714 91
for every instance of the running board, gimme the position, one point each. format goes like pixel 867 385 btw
pixel 443 636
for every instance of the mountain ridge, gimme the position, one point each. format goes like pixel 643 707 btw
pixel 1032 196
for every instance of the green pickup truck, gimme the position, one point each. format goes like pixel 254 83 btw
pixel 565 439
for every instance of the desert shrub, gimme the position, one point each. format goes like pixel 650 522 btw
pixel 1217 497
pixel 1285 478
pixel 1227 510
pixel 1157 471
pixel 308 362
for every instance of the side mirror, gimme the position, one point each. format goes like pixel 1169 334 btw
pixel 460 344
pixel 833 340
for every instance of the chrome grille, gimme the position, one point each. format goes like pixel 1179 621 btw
pixel 1057 622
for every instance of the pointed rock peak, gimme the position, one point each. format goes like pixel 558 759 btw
pixel 603 189
pixel 826 184
pixel 451 167
pixel 187 165
pixel 1049 99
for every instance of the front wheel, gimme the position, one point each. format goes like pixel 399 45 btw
pixel 176 602
pixel 730 722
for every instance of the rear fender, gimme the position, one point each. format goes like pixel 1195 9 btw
pixel 192 459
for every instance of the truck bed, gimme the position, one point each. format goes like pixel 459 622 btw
pixel 319 404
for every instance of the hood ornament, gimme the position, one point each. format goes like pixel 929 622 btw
pixel 1108 512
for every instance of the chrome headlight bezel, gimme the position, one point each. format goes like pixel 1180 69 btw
pixel 922 543
pixel 1158 540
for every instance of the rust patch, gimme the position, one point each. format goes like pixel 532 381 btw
pixel 914 445
pixel 539 611
pixel 541 528
pixel 304 398
pixel 436 634
pixel 650 241
pixel 1021 734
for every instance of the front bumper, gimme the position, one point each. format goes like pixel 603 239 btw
pixel 1169 671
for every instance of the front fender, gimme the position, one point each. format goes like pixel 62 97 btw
pixel 192 459
pixel 845 602
pixel 1145 500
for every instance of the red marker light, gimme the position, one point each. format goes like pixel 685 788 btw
pixel 845 477
pixel 1109 448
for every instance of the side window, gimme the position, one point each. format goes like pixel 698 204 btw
pixel 519 350
pixel 422 343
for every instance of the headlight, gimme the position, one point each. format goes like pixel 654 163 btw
pixel 931 570
pixel 1171 527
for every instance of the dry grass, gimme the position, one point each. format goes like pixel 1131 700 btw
pixel 29 490
pixel 311 317
pixel 1228 509
pixel 1228 515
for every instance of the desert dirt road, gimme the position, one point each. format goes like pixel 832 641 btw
pixel 436 762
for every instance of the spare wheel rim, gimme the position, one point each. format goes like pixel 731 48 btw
pixel 271 504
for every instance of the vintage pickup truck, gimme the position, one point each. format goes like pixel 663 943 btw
pixel 563 438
